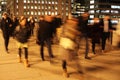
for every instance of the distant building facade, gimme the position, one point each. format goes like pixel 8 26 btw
pixel 97 8
pixel 37 8
pixel 2 6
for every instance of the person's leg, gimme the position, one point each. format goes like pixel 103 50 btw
pixel 104 37
pixel 64 67
pixel 86 48
pixel 19 54
pixel 26 57
pixel 42 50
pixel 6 41
pixel 93 47
pixel 48 41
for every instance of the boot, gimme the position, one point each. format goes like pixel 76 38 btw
pixel 65 74
pixel 19 60
pixel 19 55
pixel 26 63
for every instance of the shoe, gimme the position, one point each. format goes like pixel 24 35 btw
pixel 87 58
pixel 94 52
pixel 65 74
pixel 19 60
pixel 26 63
pixel 103 51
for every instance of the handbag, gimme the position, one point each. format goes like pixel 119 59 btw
pixel 67 43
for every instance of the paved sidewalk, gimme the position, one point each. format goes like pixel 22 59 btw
pixel 102 66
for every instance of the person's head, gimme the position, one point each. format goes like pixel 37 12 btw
pixel 106 17
pixel 41 18
pixel 96 20
pixel 5 15
pixel 48 18
pixel 22 21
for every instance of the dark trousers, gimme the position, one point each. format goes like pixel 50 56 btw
pixel 93 46
pixel 48 43
pixel 64 64
pixel 84 36
pixel 6 40
pixel 25 52
pixel 105 36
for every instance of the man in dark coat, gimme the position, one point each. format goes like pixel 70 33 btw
pixel 106 29
pixel 45 34
pixel 83 28
pixel 6 25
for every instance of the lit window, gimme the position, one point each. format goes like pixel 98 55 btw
pixel 92 2
pixel 38 7
pixel 92 11
pixel 16 1
pixel 35 1
pixel 17 6
pixel 31 7
pixel 91 6
pixel 24 13
pixel 49 7
pixel 28 13
pixel 66 8
pixel 45 12
pixel 24 7
pixel 17 13
pixel 35 7
pixel 31 1
pixel 38 1
pixel 56 2
pixel 28 1
pixel 53 13
pixel 42 13
pixel 35 13
pixel 56 8
pixel 56 13
pixel 42 2
pixel 49 13
pixel 42 7
pixel 49 2
pixel 91 16
pixel 24 1
pixel 32 12
pixel 38 13
pixel 52 2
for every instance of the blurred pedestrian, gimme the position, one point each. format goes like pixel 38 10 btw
pixel 68 42
pixel 15 23
pixel 45 35
pixel 22 34
pixel 6 25
pixel 31 22
pixel 84 29
pixel 106 29
pixel 96 32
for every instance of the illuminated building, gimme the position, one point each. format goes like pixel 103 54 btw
pixel 39 7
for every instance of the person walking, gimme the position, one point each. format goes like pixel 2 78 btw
pixel 6 25
pixel 96 32
pixel 83 28
pixel 22 34
pixel 68 43
pixel 106 29
pixel 45 35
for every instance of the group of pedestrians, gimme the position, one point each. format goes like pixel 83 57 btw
pixel 72 32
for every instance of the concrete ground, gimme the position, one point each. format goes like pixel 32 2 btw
pixel 104 66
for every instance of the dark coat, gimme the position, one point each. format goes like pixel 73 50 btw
pixel 22 34
pixel 83 25
pixel 6 26
pixel 45 30
pixel 96 32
